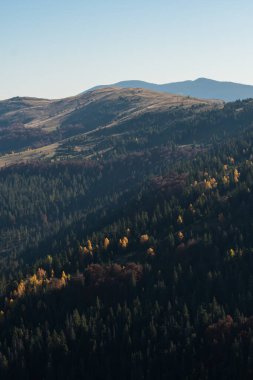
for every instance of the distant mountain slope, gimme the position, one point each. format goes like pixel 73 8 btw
pixel 111 121
pixel 30 124
pixel 200 88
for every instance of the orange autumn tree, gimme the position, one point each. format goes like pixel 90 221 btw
pixel 106 243
pixel 123 242
pixel 89 245
pixel 144 238
pixel 236 176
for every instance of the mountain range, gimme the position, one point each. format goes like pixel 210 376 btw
pixel 200 88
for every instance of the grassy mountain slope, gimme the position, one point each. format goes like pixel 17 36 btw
pixel 34 128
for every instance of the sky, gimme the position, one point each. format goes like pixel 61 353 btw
pixel 58 48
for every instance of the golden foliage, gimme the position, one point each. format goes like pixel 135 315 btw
pixel 34 281
pixel 236 176
pixel 179 219
pixel 225 179
pixel 123 242
pixel 86 251
pixel 207 184
pixel 89 245
pixel 49 260
pixel 144 238
pixel 20 289
pixel 210 183
pixel 106 243
pixel 41 274
pixel 64 278
pixel 180 235
pixel 38 281
pixel 151 251
pixel 231 252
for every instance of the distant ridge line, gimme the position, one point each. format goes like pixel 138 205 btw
pixel 202 88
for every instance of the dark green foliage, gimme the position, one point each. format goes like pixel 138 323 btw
pixel 183 312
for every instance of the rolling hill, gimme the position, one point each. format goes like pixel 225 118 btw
pixel 33 128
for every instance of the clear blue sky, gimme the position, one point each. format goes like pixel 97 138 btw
pixel 57 48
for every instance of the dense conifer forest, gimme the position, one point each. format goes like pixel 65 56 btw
pixel 136 263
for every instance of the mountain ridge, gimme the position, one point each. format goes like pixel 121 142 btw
pixel 28 124
pixel 201 88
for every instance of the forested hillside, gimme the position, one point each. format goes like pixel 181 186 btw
pixel 133 261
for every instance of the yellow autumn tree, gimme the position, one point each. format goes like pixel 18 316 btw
pixel 86 251
pixel 150 252
pixel 207 184
pixel 179 219
pixel 20 289
pixel 236 176
pixel 49 260
pixel 144 238
pixel 106 243
pixel 64 278
pixel 123 242
pixel 41 274
pixel 225 179
pixel 89 245
pixel 211 183
pixel 33 281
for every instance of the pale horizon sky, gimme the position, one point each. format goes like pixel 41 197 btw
pixel 58 48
